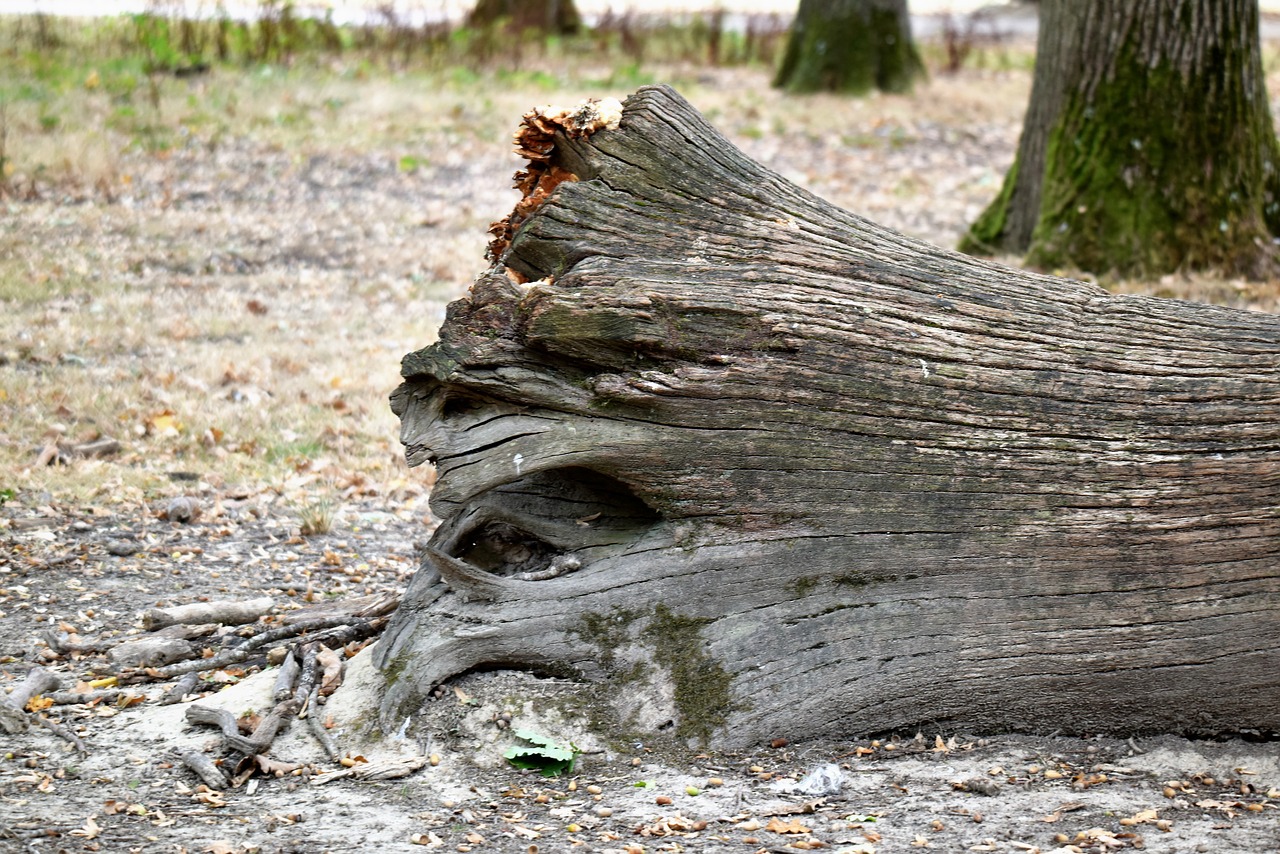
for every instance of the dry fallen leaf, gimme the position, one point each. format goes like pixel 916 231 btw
pixel 777 825
pixel 90 829
pixel 210 799
pixel 671 826
pixel 331 663
pixel 428 839
pixel 39 703
pixel 163 424
pixel 221 846
pixel 1142 817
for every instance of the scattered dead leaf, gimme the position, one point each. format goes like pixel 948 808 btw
pixel 676 825
pixel 210 798
pixel 777 825
pixel 90 829
pixel 39 703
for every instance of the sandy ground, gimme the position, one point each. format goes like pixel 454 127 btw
pixel 950 792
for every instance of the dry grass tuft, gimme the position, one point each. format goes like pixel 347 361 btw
pixel 222 273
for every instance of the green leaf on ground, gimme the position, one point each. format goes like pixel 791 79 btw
pixel 541 754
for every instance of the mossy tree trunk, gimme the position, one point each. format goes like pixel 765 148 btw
pixel 1148 145
pixel 767 469
pixel 551 16
pixel 851 46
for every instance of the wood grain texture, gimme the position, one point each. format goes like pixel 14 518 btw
pixel 782 471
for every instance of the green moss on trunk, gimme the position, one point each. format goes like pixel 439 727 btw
pixel 989 234
pixel 1152 144
pixel 702 687
pixel 552 16
pixel 851 46
pixel 1151 190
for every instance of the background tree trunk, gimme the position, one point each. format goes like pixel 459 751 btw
pixel 850 46
pixel 766 468
pixel 1148 144
pixel 552 16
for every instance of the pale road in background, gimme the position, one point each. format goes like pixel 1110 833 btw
pixel 456 8
pixel 450 8
pixel 927 14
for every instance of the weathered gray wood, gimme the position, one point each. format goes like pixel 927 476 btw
pixel 151 652
pixel 263 734
pixel 775 470
pixel 206 769
pixel 228 613
pixel 13 708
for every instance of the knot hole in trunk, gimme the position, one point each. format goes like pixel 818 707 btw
pixel 547 524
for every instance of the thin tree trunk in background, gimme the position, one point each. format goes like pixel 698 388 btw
pixel 1148 145
pixel 851 46
pixel 553 16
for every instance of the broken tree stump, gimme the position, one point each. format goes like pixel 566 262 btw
pixel 767 468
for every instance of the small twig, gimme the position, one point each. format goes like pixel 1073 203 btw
pixel 62 732
pixel 316 725
pixel 198 665
pixel 206 769
pixel 262 736
pixel 13 714
pixel 74 698
pixel 287 677
pixel 227 613
pixel 232 656
pixel 355 629
pixel 388 769
pixel 291 630
pixel 184 686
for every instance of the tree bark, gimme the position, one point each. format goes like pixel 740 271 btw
pixel 851 46
pixel 1148 145
pixel 552 16
pixel 765 468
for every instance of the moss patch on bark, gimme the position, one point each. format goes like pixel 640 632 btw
pixel 1151 190
pixel 988 235
pixel 702 686
pixel 674 643
pixel 1162 156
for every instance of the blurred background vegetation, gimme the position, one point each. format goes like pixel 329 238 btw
pixel 64 77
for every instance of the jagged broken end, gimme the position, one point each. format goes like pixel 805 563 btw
pixel 536 140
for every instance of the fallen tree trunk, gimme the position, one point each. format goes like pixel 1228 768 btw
pixel 772 470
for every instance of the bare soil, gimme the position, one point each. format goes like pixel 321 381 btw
pixel 233 310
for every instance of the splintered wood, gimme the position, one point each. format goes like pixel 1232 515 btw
pixel 535 140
